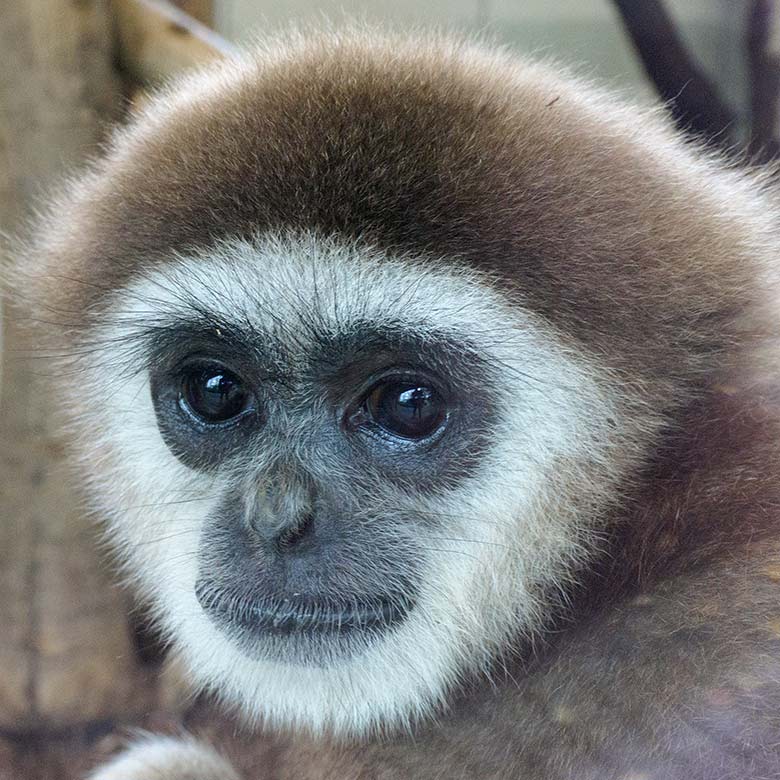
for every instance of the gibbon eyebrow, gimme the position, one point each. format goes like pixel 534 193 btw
pixel 277 344
pixel 173 340
pixel 435 347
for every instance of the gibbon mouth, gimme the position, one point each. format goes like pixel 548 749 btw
pixel 278 616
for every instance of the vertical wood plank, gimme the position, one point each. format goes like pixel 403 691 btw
pixel 65 647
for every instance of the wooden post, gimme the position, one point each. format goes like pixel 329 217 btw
pixel 201 10
pixel 65 647
pixel 157 40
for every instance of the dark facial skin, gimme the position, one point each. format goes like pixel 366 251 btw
pixel 314 547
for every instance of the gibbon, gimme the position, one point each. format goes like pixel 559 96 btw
pixel 428 393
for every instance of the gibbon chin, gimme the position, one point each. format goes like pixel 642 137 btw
pixel 428 394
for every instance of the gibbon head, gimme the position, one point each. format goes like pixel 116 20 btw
pixel 367 339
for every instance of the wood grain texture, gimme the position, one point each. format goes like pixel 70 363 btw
pixel 63 627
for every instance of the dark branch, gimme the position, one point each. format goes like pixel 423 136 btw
pixel 695 103
pixel 764 70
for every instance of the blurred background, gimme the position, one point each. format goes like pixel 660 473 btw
pixel 78 666
pixel 588 34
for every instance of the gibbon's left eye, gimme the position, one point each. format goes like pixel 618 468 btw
pixel 408 410
pixel 213 394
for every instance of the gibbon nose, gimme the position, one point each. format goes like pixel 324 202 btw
pixel 281 515
pixel 296 535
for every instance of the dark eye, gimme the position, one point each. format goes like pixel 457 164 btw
pixel 406 409
pixel 213 394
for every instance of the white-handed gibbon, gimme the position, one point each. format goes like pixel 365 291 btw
pixel 428 393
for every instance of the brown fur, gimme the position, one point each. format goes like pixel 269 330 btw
pixel 649 255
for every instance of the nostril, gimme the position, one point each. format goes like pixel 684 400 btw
pixel 295 534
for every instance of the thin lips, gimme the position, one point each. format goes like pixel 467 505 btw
pixel 284 616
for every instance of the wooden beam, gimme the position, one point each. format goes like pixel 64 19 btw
pixel 157 40
pixel 202 10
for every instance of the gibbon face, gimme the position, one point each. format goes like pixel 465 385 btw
pixel 343 472
pixel 370 340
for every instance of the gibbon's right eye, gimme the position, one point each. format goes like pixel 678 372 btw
pixel 214 395
pixel 406 409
